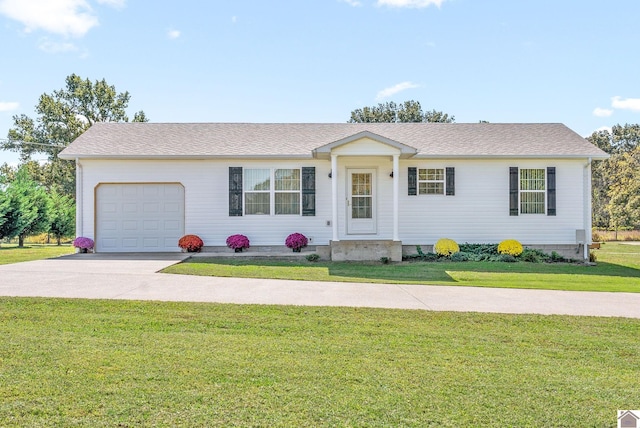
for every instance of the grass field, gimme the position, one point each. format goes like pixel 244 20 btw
pixel 126 364
pixel 618 269
pixel 11 253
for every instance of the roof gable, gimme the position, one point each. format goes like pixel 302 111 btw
pixel 365 142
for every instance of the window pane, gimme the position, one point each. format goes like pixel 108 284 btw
pixel 532 202
pixel 435 189
pixel 431 188
pixel 361 184
pixel 422 174
pixel 287 179
pixel 287 203
pixel 361 207
pixel 256 203
pixel 532 179
pixel 435 174
pixel 257 179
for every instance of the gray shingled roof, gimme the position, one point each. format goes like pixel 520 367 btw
pixel 284 140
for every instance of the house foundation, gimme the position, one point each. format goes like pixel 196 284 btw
pixel 366 250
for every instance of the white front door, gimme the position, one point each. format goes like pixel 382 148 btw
pixel 361 201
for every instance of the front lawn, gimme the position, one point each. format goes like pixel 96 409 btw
pixel 11 253
pixel 618 269
pixel 125 364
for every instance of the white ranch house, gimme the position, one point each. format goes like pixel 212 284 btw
pixel 358 191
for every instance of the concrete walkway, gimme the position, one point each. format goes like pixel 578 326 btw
pixel 135 277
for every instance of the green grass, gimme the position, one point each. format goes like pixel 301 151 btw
pixel 125 364
pixel 11 253
pixel 618 269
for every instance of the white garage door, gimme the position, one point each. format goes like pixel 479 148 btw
pixel 139 217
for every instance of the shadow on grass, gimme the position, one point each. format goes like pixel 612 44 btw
pixel 422 272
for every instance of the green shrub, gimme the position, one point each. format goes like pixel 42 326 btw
pixel 556 258
pixel 385 260
pixel 312 257
pixel 507 258
pixel 459 257
pixel 485 249
pixel 532 255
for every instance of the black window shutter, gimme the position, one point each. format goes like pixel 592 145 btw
pixel 551 190
pixel 513 190
pixel 235 191
pixel 309 190
pixel 451 181
pixel 413 181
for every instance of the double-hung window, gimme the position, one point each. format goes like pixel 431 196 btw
pixel 532 191
pixel 431 181
pixel 274 191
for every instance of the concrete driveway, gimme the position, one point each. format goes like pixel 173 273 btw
pixel 135 277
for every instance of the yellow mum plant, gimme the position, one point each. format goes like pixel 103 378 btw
pixel 511 247
pixel 446 247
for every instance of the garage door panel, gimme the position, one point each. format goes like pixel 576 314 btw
pixel 139 217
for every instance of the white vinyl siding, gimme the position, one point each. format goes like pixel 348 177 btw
pixel 478 213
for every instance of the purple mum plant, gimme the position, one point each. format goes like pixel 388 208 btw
pixel 296 241
pixel 238 242
pixel 83 243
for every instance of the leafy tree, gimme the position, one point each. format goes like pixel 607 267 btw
pixel 624 190
pixel 390 112
pixel 616 181
pixel 62 117
pixel 63 215
pixel 27 208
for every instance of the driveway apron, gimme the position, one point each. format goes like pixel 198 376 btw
pixel 136 277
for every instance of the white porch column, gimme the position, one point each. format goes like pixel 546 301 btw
pixel 79 200
pixel 334 196
pixel 396 187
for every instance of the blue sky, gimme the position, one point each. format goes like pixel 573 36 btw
pixel 316 60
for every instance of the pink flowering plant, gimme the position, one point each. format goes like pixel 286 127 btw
pixel 238 242
pixel 83 243
pixel 296 241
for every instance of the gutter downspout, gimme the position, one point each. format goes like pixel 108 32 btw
pixel 79 199
pixel 588 222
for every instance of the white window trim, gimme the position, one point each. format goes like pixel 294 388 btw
pixel 272 193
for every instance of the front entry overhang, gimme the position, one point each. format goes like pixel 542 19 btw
pixel 364 144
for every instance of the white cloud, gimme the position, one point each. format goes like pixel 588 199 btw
pixel 64 17
pixel 56 47
pixel 352 2
pixel 409 3
pixel 118 4
pixel 602 112
pixel 234 19
pixel 8 106
pixel 632 104
pixel 388 92
pixel 173 34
